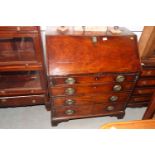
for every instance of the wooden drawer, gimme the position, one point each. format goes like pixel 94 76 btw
pixel 105 78
pixel 88 100
pixel 18 83
pixel 18 28
pixel 144 98
pixel 137 104
pixel 86 110
pixel 22 100
pixel 72 112
pixel 146 82
pixel 106 109
pixel 89 89
pixel 148 72
pixel 144 91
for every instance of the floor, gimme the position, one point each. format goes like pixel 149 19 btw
pixel 36 117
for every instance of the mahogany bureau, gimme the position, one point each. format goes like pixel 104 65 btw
pixel 22 71
pixel 90 74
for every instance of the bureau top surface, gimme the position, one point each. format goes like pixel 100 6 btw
pixel 76 31
pixel 83 54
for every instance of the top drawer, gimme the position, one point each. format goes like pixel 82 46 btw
pixel 69 80
pixel 18 28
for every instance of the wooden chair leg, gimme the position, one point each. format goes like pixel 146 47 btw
pixel 150 110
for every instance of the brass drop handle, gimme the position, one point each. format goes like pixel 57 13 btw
pixel 113 98
pixel 117 88
pixel 69 112
pixel 70 91
pixel 69 102
pixel 110 108
pixel 120 78
pixel 70 80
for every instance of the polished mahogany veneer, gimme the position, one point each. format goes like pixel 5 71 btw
pixel 145 87
pixel 91 78
pixel 14 101
pixel 20 48
pixel 22 70
pixel 90 89
pixel 90 74
pixel 90 99
pixel 19 28
pixel 80 55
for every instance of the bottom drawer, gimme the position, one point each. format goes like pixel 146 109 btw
pixel 139 98
pixel 137 104
pixel 22 100
pixel 107 109
pixel 70 112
